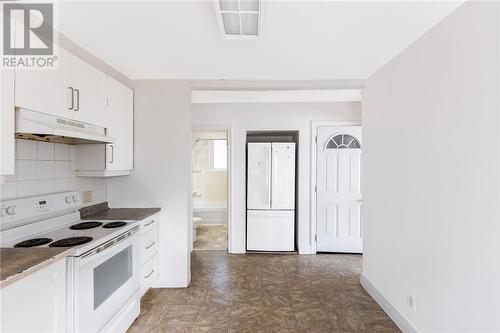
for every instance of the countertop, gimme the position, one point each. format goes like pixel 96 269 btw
pixel 16 263
pixel 103 212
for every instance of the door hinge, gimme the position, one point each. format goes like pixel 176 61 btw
pixel 316 139
pixel 315 238
pixel 316 188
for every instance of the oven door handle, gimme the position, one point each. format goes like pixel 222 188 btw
pixel 121 238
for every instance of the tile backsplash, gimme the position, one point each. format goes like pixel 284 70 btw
pixel 43 168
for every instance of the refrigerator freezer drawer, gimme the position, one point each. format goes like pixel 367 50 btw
pixel 271 230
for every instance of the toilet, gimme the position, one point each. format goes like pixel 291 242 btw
pixel 196 222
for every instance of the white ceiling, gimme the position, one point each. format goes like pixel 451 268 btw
pixel 301 40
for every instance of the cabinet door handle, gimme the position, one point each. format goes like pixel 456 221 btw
pixel 150 245
pixel 150 273
pixel 77 100
pixel 72 91
pixel 148 224
pixel 112 153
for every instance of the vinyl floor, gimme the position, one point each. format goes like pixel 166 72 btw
pixel 211 237
pixel 266 293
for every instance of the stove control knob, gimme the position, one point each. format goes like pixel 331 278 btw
pixel 68 199
pixel 76 198
pixel 11 210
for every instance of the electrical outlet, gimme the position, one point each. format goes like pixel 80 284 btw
pixel 411 302
pixel 87 196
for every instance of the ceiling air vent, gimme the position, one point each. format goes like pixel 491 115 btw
pixel 239 19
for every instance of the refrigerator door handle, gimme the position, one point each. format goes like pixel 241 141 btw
pixel 270 177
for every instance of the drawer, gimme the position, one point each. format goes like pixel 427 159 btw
pixel 149 273
pixel 149 223
pixel 149 244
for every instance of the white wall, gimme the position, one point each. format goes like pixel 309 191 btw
pixel 45 168
pixel 432 175
pixel 162 171
pixel 270 116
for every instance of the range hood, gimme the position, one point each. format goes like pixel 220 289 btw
pixel 32 125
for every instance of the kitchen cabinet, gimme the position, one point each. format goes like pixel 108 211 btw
pixel 149 252
pixel 7 116
pixel 86 90
pixel 75 90
pixel 99 160
pixel 43 90
pixel 37 302
pixel 120 155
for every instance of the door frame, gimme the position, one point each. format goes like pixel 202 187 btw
pixel 314 134
pixel 229 131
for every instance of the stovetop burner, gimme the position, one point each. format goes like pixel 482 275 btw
pixel 71 241
pixel 85 225
pixel 115 224
pixel 34 242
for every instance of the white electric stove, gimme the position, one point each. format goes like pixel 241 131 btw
pixel 102 273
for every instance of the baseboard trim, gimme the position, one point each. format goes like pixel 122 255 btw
pixel 399 319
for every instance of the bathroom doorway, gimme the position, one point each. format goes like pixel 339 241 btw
pixel 210 165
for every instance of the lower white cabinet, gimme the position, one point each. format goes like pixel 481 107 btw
pixel 37 302
pixel 149 252
pixel 149 273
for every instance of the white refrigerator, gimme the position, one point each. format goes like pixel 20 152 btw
pixel 271 196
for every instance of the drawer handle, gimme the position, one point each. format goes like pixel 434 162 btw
pixel 149 246
pixel 148 224
pixel 150 273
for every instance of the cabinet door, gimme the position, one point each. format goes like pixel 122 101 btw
pixel 7 146
pixel 89 84
pixel 43 90
pixel 120 155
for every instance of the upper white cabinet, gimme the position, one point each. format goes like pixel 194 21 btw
pixel 75 90
pixel 117 159
pixel 120 155
pixel 43 90
pixel 85 90
pixel 7 145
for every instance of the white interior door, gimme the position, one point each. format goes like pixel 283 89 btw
pixel 338 197
pixel 283 175
pixel 259 176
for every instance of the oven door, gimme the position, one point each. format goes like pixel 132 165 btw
pixel 107 279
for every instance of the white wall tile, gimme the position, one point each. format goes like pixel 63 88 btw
pixel 25 170
pixel 8 191
pixel 61 152
pixel 61 169
pixel 45 167
pixel 72 169
pixel 26 189
pixel 45 151
pixel 45 186
pixel 10 178
pixel 26 150
pixel 76 184
pixel 72 153
pixel 62 185
pixel 45 170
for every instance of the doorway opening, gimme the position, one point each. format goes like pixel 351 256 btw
pixel 210 166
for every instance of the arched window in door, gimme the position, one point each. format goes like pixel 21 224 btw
pixel 343 141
